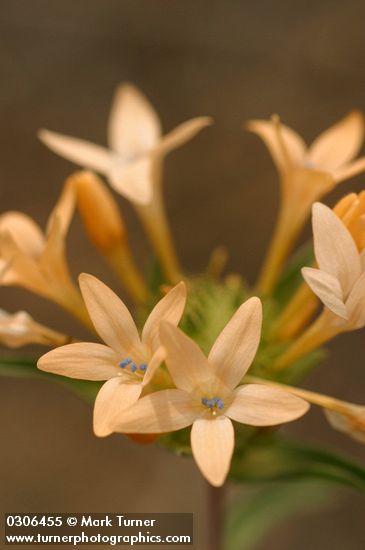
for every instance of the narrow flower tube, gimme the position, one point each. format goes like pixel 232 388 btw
pixel 105 228
pixel 306 175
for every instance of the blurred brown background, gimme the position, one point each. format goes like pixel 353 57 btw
pixel 59 64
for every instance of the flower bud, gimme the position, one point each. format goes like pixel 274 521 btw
pixel 99 212
pixel 351 210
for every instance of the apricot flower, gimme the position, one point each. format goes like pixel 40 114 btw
pixel 208 393
pixel 127 362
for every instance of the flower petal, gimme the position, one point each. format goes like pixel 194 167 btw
pixel 24 231
pixel 110 317
pixel 349 170
pixel 236 346
pixel 157 358
pixel 181 134
pixel 212 443
pixel 20 329
pixel 339 144
pixel 294 144
pixel 65 206
pixel 186 362
pixel 83 360
pixel 169 308
pixel 159 412
pixel 79 151
pixel 259 405
pixel 355 304
pixel 352 424
pixel 53 263
pixel 327 288
pixel 133 180
pixel 335 249
pixel 134 126
pixel 21 270
pixel 113 397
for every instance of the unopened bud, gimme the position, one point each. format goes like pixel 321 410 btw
pixel 351 210
pixel 99 212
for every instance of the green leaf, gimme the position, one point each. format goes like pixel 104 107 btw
pixel 266 457
pixel 27 368
pixel 249 520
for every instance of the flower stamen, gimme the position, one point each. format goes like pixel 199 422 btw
pixel 133 367
pixel 213 404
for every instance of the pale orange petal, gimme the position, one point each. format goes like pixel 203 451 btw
pixel 83 360
pixel 212 443
pixel 335 249
pixel 157 358
pixel 19 329
pixel 293 143
pixel 53 263
pixel 134 126
pixel 259 405
pixel 169 308
pixel 133 179
pixel 24 231
pixel 181 134
pixel 186 362
pixel 159 412
pixel 114 397
pixel 352 424
pixel 339 144
pixel 22 269
pixel 110 317
pixel 79 151
pixel 65 206
pixel 355 304
pixel 327 288
pixel 236 346
pixel 349 170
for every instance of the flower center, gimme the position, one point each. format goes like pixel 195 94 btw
pixel 131 367
pixel 213 403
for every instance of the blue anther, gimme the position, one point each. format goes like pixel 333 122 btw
pixel 123 364
pixel 143 367
pixel 133 367
pixel 214 402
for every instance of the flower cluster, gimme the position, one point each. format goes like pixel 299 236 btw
pixel 217 367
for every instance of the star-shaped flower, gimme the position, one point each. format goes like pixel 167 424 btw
pixel 127 361
pixel 36 260
pixel 329 160
pixel 340 280
pixel 208 393
pixel 135 141
pixel 306 175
